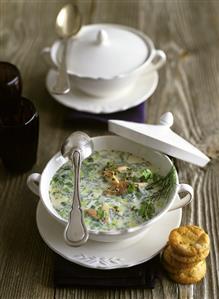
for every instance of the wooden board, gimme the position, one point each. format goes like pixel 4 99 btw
pixel 189 87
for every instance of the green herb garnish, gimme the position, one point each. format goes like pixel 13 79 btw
pixel 100 213
pixel 131 188
pixel 147 210
pixel 146 175
pixel 164 187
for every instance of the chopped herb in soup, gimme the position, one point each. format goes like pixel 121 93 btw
pixel 118 190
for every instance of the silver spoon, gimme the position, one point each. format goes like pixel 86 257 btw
pixel 77 147
pixel 68 23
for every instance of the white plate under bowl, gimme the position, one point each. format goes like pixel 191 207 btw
pixel 108 256
pixel 75 99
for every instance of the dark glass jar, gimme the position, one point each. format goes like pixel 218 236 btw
pixel 19 138
pixel 10 88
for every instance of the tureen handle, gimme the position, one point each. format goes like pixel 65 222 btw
pixel 158 59
pixel 33 181
pixel 186 199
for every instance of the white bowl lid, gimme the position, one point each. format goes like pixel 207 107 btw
pixel 159 137
pixel 106 51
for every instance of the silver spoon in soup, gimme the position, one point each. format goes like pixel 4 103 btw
pixel 77 147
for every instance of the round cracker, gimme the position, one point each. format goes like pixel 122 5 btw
pixel 168 268
pixel 189 259
pixel 189 240
pixel 171 261
pixel 194 275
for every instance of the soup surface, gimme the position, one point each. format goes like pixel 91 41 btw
pixel 118 190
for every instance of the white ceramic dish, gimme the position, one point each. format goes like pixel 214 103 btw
pixel 106 58
pixel 39 184
pixel 111 255
pixel 75 99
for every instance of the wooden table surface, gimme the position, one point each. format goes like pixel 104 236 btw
pixel 188 31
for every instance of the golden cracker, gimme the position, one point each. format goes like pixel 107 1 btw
pixel 189 240
pixel 171 261
pixel 191 276
pixel 189 259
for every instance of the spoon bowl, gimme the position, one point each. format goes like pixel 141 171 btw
pixel 77 140
pixel 68 23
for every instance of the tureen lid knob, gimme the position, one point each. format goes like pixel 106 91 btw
pixel 102 37
pixel 167 119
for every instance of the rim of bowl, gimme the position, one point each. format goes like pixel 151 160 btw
pixel 147 40
pixel 119 232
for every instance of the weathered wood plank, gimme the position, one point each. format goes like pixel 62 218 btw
pixel 191 92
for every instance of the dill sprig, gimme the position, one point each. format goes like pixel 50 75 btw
pixel 164 187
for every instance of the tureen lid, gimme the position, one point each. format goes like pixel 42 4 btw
pixel 106 51
pixel 160 137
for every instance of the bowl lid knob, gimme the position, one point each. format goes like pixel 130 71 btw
pixel 102 38
pixel 167 119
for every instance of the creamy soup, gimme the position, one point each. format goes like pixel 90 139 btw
pixel 118 190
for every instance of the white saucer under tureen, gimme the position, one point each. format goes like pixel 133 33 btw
pixel 140 92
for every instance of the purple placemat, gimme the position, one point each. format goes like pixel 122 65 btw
pixel 67 274
pixel 136 114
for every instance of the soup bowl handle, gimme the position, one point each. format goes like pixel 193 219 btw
pixel 33 181
pixel 186 199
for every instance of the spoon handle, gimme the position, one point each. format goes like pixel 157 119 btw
pixel 62 85
pixel 76 233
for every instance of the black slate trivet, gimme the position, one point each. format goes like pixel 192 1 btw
pixel 67 274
